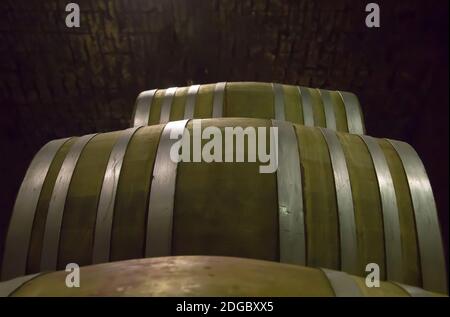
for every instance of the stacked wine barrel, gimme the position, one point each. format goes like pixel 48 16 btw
pixel 336 110
pixel 205 276
pixel 338 201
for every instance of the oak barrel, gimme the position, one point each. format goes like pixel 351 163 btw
pixel 336 110
pixel 337 200
pixel 190 276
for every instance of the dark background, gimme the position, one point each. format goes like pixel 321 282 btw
pixel 57 82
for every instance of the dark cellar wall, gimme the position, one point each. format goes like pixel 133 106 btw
pixel 57 82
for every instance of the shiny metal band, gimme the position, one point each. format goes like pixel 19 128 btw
pixel 162 194
pixel 19 233
pixel 49 257
pixel 143 107
pixel 190 102
pixel 107 200
pixel 353 112
pixel 427 225
pixel 391 221
pixel 278 101
pixel 219 94
pixel 308 114
pixel 328 108
pixel 9 287
pixel 290 196
pixel 167 105
pixel 344 197
pixel 414 291
pixel 342 284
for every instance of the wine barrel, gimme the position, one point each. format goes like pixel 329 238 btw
pixel 337 200
pixel 192 276
pixel 336 110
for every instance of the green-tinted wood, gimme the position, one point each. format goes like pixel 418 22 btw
pixel 204 101
pixel 385 289
pixel 37 232
pixel 339 112
pixel 292 104
pixel 226 208
pixel 155 110
pixel 178 104
pixel 185 276
pixel 410 252
pixel 319 114
pixel 193 276
pixel 320 208
pixel 247 99
pixel 130 213
pixel 255 100
pixel 225 199
pixel 78 225
pixel 366 203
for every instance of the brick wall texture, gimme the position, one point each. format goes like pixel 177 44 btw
pixel 57 82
